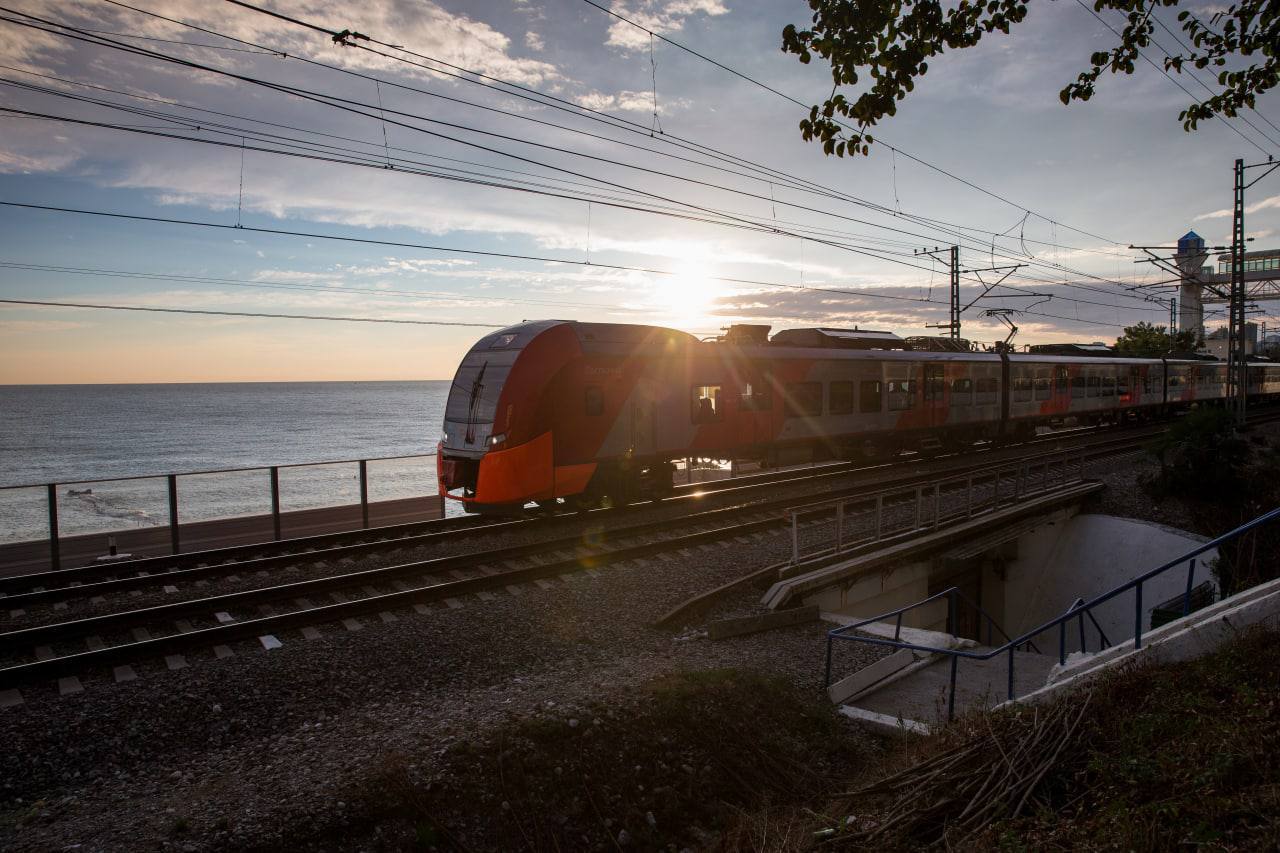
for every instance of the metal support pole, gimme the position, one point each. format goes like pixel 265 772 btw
pixel 1137 618
pixel 1011 651
pixel 364 495
pixel 275 502
pixel 55 547
pixel 1062 643
pixel 1083 645
pixel 951 701
pixel 1237 358
pixel 173 514
pixel 1191 573
pixel 955 292
pixel 897 629
pixel 795 537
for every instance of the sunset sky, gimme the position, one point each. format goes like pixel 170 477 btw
pixel 702 197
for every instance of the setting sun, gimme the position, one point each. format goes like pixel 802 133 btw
pixel 687 298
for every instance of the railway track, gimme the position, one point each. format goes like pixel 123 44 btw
pixel 19 591
pixel 115 640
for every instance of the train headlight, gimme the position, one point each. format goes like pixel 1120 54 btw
pixel 495 440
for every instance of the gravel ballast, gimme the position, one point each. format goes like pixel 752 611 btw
pixel 231 754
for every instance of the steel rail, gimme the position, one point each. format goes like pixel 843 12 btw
pixel 201 572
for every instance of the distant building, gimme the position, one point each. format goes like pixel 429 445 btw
pixel 1215 343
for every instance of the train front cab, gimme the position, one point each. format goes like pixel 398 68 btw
pixel 495 453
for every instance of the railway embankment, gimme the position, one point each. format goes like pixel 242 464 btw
pixel 558 716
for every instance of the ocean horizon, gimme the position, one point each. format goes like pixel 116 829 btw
pixel 71 434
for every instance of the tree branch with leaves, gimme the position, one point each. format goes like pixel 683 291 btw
pixel 890 42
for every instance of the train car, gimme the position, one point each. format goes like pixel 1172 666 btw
pixel 558 412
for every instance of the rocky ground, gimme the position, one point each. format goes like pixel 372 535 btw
pixel 310 745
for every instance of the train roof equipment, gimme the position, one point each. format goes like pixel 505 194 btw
pixel 826 338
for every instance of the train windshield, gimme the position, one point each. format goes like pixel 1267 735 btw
pixel 473 397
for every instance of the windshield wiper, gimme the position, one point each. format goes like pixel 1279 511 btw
pixel 476 388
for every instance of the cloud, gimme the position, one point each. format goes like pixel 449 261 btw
pixel 1265 204
pixel 533 41
pixel 629 101
pixel 660 16
pixel 18 327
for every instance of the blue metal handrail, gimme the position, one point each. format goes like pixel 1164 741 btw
pixel 1078 610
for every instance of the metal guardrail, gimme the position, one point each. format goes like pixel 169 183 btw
pixel 1077 611
pixel 983 494
pixel 172 494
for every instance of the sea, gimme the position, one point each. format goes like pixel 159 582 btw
pixel 107 448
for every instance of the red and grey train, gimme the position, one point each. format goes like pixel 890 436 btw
pixel 553 411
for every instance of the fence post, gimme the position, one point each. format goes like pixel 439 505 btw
pixel 55 546
pixel 275 502
pixel 1011 651
pixel 364 494
pixel 173 513
pixel 1191 573
pixel 1062 643
pixel 1137 618
pixel 1082 640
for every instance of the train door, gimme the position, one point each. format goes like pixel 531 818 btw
pixel 754 401
pixel 642 413
pixel 935 395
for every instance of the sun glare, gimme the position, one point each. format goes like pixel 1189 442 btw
pixel 687 298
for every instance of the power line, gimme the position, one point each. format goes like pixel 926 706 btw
pixel 340 103
pixel 179 278
pixel 803 105
pixel 1169 76
pixel 474 77
pixel 346 39
pixel 616 267
pixel 153 309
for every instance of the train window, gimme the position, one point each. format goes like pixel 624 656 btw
pixel 754 397
pixel 1022 389
pixel 962 392
pixel 804 398
pixel 502 341
pixel 988 388
pixel 595 401
pixel 1060 380
pixel 704 405
pixel 869 395
pixel 1174 380
pixel 1148 386
pixel 1077 386
pixel 934 384
pixel 1042 387
pixel 902 394
pixel 1094 383
pixel 1108 386
pixel 840 398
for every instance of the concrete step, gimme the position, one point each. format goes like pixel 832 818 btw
pixel 922 694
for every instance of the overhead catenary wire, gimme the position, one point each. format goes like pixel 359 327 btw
pixel 471 75
pixel 493 254
pixel 819 241
pixel 342 104
pixel 205 311
pixel 805 106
